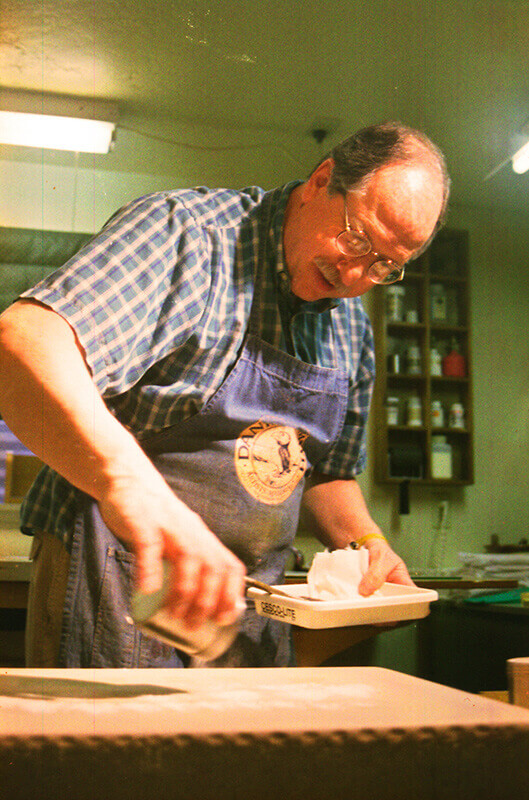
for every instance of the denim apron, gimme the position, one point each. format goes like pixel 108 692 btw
pixel 240 464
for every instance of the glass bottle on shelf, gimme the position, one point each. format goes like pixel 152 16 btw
pixel 438 415
pixel 457 416
pixel 414 407
pixel 438 302
pixel 395 303
pixel 413 359
pixel 441 458
pixel 392 410
pixel 436 362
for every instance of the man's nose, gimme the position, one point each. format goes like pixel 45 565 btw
pixel 353 269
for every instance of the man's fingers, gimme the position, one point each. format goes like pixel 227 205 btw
pixel 384 565
pixel 231 598
pixel 372 580
pixel 149 569
pixel 184 582
pixel 200 590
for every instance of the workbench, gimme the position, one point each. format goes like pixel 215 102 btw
pixel 255 734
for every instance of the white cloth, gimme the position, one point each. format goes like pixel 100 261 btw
pixel 335 575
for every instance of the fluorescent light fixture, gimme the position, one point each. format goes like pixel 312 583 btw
pixel 520 160
pixel 82 125
pixel 56 133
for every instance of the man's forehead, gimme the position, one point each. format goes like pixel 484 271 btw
pixel 401 202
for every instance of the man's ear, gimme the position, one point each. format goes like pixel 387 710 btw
pixel 318 180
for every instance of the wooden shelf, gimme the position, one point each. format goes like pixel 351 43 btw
pixel 446 263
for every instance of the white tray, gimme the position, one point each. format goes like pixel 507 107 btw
pixel 392 603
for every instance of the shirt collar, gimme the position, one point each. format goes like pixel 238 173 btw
pixel 281 274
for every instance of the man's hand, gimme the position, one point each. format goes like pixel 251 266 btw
pixel 384 565
pixel 206 579
pixel 336 512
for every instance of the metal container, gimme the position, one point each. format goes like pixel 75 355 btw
pixel 206 642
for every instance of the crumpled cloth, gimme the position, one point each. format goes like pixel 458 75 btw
pixel 335 575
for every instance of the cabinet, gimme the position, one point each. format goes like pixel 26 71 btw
pixel 414 333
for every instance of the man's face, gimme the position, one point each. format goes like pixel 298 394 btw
pixel 397 211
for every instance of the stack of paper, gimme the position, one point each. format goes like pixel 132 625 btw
pixel 483 566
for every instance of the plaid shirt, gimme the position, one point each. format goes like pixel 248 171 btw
pixel 160 300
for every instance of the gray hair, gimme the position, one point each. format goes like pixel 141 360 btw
pixel 359 156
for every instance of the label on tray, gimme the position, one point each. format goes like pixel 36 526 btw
pixel 275 610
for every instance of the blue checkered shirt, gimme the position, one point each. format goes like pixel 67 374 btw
pixel 160 300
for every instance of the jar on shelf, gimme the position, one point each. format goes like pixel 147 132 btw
pixel 395 303
pixel 456 418
pixel 392 410
pixel 413 359
pixel 441 458
pixel 437 302
pixel 394 363
pixel 414 409
pixel 438 414
pixel 436 362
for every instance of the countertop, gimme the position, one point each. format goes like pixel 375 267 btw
pixel 15 568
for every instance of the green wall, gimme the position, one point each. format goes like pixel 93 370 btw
pixel 55 193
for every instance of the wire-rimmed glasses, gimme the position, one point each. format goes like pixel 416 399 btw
pixel 354 243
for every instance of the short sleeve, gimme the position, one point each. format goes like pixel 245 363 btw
pixel 126 293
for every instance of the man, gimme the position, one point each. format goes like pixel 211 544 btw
pixel 198 368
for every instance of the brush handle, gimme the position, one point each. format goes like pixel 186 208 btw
pixel 265 587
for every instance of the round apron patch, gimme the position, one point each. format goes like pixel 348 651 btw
pixel 270 461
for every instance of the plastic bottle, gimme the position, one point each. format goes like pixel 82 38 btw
pixel 437 302
pixel 456 418
pixel 441 458
pixel 454 364
pixel 438 417
pixel 392 410
pixel 413 359
pixel 395 303
pixel 414 417
pixel 436 362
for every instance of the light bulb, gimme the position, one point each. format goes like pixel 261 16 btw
pixel 56 132
pixel 520 160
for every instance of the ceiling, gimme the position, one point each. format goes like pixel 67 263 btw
pixel 458 69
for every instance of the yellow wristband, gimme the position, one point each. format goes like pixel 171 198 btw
pixel 368 537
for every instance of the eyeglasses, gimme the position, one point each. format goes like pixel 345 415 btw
pixel 354 243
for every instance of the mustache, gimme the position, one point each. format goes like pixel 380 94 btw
pixel 331 274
